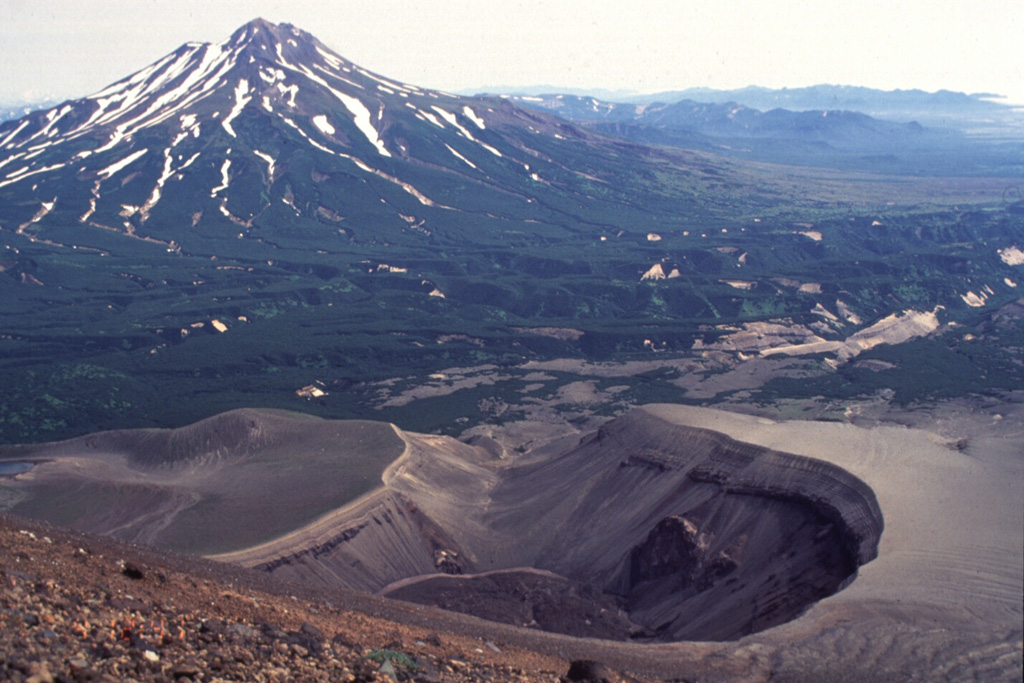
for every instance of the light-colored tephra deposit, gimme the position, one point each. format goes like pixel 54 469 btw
pixel 1012 256
pixel 893 329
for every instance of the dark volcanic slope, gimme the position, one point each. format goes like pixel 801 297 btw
pixel 940 602
pixel 228 482
pixel 696 535
pixel 644 529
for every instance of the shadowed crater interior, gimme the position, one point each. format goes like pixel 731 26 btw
pixel 651 531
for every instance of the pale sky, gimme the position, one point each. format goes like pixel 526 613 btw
pixel 71 48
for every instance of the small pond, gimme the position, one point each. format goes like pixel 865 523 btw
pixel 15 467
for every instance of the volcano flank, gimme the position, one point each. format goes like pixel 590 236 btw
pixel 642 530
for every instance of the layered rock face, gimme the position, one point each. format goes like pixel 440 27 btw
pixel 683 533
pixel 643 529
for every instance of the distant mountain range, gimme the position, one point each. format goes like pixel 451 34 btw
pixel 15 110
pixel 887 104
pixel 941 108
pixel 731 119
pixel 833 137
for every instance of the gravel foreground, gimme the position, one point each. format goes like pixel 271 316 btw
pixel 83 608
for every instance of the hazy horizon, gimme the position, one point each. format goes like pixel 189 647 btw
pixel 66 49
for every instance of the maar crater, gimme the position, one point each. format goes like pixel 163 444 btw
pixel 642 530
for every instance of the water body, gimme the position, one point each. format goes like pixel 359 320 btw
pixel 13 468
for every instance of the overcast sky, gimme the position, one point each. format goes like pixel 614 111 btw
pixel 66 48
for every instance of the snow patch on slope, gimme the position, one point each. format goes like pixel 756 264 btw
pixel 427 116
pixel 21 174
pixel 334 61
pixel 13 133
pixel 471 115
pixel 360 114
pixel 459 156
pixel 1012 256
pixel 267 158
pixel 117 166
pixel 320 121
pixel 453 120
pixel 224 180
pixel 893 329
pixel 655 272
pixel 390 84
pixel 242 98
pixel 974 300
pixel 291 91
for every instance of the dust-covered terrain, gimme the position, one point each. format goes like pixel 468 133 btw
pixel 663 532
pixel 850 549
pixel 223 483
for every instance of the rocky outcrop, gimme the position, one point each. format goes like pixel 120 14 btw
pixel 675 548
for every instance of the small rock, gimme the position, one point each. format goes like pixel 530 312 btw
pixel 151 656
pixel 243 631
pixel 132 571
pixel 311 631
pixel 46 635
pixel 185 670
pixel 588 671
pixel 212 626
pixel 342 641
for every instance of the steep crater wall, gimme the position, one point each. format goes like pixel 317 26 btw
pixel 644 530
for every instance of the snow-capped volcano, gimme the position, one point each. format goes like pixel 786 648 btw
pixel 227 126
pixel 263 66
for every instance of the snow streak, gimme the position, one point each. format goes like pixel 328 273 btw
pixel 224 180
pixel 471 115
pixel 117 166
pixel 242 98
pixel 267 158
pixel 468 162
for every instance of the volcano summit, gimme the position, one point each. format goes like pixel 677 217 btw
pixel 224 138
